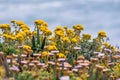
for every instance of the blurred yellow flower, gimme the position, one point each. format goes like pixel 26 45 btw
pixel 61 55
pixel 59 33
pixel 5 26
pixel 106 44
pixel 45 24
pixel 12 21
pixel 19 23
pixel 20 37
pixel 39 22
pixel 47 32
pixel 53 47
pixel 74 40
pixel 22 33
pixel 59 28
pixel 86 36
pixel 102 34
pixel 26 47
pixel 66 39
pixel 69 32
pixel 78 27
pixel 44 53
pixel 42 28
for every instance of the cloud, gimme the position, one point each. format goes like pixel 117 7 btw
pixel 95 15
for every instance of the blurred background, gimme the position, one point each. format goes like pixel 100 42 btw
pixel 95 15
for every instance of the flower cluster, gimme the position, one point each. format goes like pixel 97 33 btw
pixel 42 55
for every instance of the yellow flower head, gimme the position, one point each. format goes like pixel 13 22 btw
pixel 74 40
pixel 69 31
pixel 45 24
pixel 27 32
pixel 22 33
pixel 78 27
pixel 106 44
pixel 12 21
pixel 47 32
pixel 65 39
pixel 20 37
pixel 26 47
pixel 59 28
pixel 61 55
pixel 19 23
pixel 44 53
pixel 53 47
pixel 5 26
pixel 59 33
pixel 42 28
pixel 24 27
pixel 39 22
pixel 102 34
pixel 86 36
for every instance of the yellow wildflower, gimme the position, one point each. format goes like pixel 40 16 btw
pixel 42 28
pixel 53 47
pixel 24 27
pixel 45 24
pixel 44 53
pixel 27 32
pixel 39 22
pixel 77 37
pixel 22 33
pixel 61 55
pixel 74 40
pixel 59 33
pixel 26 47
pixel 69 32
pixel 102 34
pixel 20 37
pixel 59 28
pixel 78 27
pixel 12 21
pixel 5 26
pixel 19 23
pixel 47 32
pixel 86 36
pixel 65 39
pixel 106 44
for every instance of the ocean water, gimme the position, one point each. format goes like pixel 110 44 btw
pixel 95 15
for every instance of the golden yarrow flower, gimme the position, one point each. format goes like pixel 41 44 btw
pixel 26 47
pixel 44 53
pixel 53 47
pixel 19 23
pixel 86 36
pixel 102 34
pixel 78 27
pixel 65 39
pixel 39 22
pixel 61 55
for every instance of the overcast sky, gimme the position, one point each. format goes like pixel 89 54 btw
pixel 95 15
